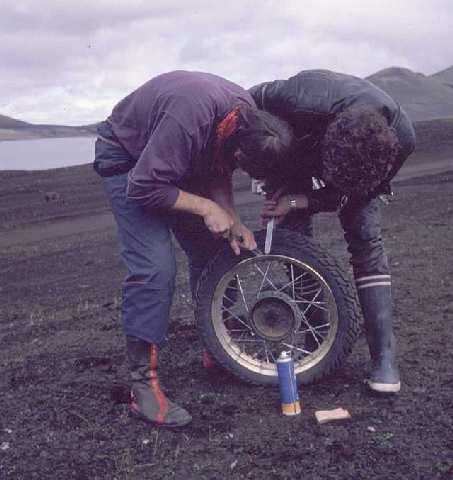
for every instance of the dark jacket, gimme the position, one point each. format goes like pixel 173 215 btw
pixel 309 101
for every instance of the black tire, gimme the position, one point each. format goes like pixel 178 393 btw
pixel 295 246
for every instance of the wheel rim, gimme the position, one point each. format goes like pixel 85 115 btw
pixel 270 303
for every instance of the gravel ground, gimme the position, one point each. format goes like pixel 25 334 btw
pixel 64 377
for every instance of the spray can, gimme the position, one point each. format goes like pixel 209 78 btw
pixel 289 395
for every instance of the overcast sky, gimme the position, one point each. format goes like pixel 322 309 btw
pixel 70 61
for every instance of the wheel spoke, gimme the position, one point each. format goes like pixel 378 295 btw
pixel 249 340
pixel 272 355
pixel 319 334
pixel 238 280
pixel 315 336
pixel 265 278
pixel 225 309
pixel 312 300
pixel 312 329
pixel 281 289
pixel 308 290
pixel 257 354
pixel 293 347
pixel 292 282
pixel 315 304
pixel 318 327
pixel 232 302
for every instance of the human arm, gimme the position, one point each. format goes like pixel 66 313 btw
pixel 325 199
pixel 221 189
pixel 164 162
pixel 217 220
pixel 278 205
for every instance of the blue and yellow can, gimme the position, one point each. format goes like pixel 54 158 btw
pixel 289 396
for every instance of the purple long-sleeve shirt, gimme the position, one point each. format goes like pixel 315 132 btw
pixel 167 125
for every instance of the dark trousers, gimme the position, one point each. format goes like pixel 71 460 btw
pixel 361 222
pixel 148 252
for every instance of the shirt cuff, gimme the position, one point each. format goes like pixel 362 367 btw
pixel 152 194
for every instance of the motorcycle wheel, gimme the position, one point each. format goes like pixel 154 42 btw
pixel 250 308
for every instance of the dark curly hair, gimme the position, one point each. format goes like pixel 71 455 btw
pixel 264 141
pixel 358 150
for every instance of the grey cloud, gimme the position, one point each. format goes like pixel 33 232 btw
pixel 70 61
pixel 68 17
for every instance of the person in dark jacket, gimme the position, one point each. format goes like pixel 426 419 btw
pixel 351 140
pixel 166 154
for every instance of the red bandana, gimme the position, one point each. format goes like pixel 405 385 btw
pixel 227 127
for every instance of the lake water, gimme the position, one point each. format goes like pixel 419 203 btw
pixel 45 153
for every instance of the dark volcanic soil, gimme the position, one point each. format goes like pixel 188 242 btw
pixel 64 377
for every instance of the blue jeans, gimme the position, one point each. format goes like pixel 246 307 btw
pixel 148 253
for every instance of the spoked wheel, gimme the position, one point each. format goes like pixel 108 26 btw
pixel 252 307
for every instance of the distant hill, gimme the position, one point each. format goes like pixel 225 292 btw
pixel 435 137
pixel 8 122
pixel 423 97
pixel 445 77
pixel 13 129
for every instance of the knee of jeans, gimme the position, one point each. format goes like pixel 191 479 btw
pixel 364 233
pixel 157 276
pixel 369 258
pixel 365 243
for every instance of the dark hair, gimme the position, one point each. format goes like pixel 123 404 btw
pixel 358 150
pixel 263 141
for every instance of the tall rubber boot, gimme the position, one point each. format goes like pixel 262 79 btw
pixel 148 402
pixel 376 302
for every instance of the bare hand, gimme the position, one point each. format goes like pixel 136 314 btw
pixel 270 204
pixel 218 220
pixel 276 208
pixel 280 207
pixel 241 237
pixel 275 195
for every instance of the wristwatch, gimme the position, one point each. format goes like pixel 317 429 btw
pixel 292 203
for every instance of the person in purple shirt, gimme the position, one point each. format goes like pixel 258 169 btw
pixel 166 154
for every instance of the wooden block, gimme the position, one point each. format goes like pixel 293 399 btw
pixel 324 416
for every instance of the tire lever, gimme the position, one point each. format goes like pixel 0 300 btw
pixel 269 234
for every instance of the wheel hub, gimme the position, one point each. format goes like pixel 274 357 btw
pixel 274 316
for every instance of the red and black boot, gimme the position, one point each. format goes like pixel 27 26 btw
pixel 148 402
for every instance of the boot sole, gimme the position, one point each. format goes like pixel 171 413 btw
pixel 137 415
pixel 383 387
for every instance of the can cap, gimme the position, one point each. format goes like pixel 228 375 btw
pixel 285 355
